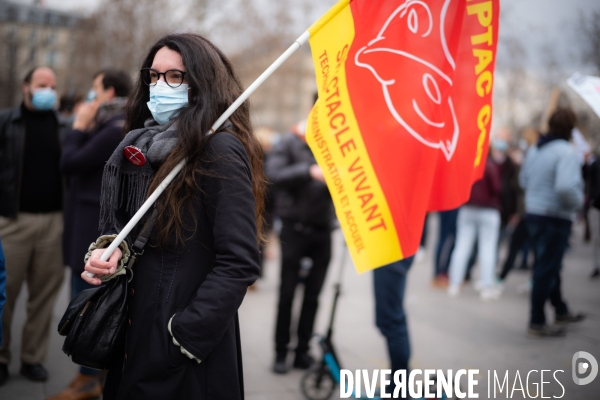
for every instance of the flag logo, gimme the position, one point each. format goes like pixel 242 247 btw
pixel 401 127
pixel 429 116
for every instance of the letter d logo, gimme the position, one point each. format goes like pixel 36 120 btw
pixel 583 367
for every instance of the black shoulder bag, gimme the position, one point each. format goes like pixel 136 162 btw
pixel 94 323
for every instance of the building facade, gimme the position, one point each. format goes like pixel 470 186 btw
pixel 32 36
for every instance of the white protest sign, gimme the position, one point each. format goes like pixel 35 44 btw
pixel 588 87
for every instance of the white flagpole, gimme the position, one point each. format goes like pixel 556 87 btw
pixel 259 81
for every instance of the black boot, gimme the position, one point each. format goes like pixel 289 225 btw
pixel 3 373
pixel 34 372
pixel 568 318
pixel 279 365
pixel 539 331
pixel 303 361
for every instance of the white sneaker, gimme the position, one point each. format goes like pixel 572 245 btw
pixel 490 293
pixel 453 290
pixel 420 256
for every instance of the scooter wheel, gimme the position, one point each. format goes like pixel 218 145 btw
pixel 317 383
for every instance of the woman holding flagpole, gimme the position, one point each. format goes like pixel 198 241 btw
pixel 183 338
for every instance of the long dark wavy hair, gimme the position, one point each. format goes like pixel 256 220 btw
pixel 214 87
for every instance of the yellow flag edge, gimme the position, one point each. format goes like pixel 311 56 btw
pixel 328 16
pixel 369 248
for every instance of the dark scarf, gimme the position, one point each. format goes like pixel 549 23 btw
pixel 547 138
pixel 110 109
pixel 124 184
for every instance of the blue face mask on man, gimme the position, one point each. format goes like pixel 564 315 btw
pixel 43 99
pixel 91 95
pixel 166 101
pixel 500 145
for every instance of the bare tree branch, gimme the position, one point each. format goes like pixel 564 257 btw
pixel 589 28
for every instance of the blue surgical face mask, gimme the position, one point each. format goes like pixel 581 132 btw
pixel 165 101
pixel 43 99
pixel 500 145
pixel 91 95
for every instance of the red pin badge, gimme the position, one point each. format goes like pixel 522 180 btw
pixel 134 155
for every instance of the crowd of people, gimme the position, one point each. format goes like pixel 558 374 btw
pixel 531 193
pixel 71 179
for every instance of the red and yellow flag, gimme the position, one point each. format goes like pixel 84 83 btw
pixel 402 122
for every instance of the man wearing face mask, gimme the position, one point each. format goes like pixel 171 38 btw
pixel 96 133
pixel 31 222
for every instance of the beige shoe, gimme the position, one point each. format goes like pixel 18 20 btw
pixel 83 387
pixel 440 282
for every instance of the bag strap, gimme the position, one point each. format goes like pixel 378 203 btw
pixel 142 238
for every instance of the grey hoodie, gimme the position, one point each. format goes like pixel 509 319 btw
pixel 551 178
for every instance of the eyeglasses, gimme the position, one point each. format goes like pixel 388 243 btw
pixel 173 77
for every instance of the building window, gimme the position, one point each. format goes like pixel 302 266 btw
pixel 53 19
pixel 52 58
pixel 12 53
pixel 12 14
pixel 33 36
pixel 52 37
pixel 11 31
pixel 33 16
pixel 32 55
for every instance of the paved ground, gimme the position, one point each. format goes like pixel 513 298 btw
pixel 446 333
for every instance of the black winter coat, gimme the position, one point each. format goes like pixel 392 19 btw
pixel 202 284
pixel 511 191
pixel 298 197
pixel 592 178
pixel 82 162
pixel 12 142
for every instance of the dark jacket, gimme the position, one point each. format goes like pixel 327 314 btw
pixel 12 141
pixel 203 284
pixel 2 285
pixel 298 197
pixel 269 212
pixel 592 178
pixel 83 158
pixel 486 191
pixel 511 191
